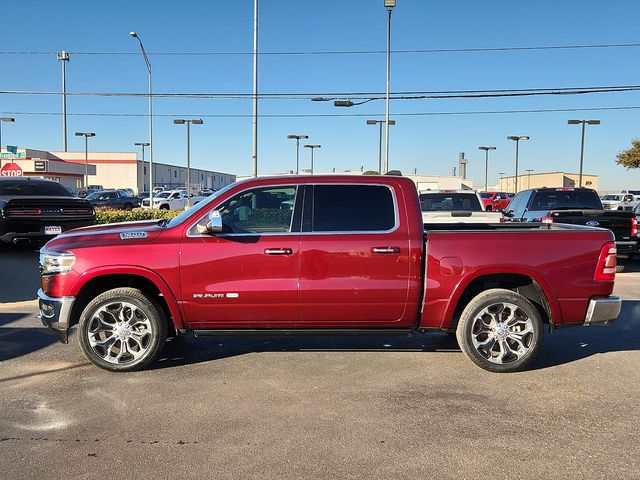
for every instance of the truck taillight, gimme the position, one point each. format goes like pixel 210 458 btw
pixel 546 219
pixel 606 268
pixel 634 226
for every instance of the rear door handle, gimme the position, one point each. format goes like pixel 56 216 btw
pixel 278 251
pixel 394 250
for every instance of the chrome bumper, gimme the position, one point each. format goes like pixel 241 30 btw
pixel 602 311
pixel 55 313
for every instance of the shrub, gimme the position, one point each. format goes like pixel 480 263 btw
pixel 109 215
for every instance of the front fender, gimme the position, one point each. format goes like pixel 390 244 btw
pixel 150 275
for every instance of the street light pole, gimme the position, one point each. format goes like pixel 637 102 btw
pixel 64 58
pixel 380 122
pixel 255 89
pixel 389 4
pixel 584 123
pixel 86 136
pixel 297 138
pixel 312 148
pixel 529 177
pixel 486 164
pixel 7 120
pixel 517 139
pixel 148 64
pixel 142 144
pixel 179 121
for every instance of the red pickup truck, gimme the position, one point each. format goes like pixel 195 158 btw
pixel 323 255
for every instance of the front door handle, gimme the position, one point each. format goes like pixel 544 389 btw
pixel 278 251
pixel 394 250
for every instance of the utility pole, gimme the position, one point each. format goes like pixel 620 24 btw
pixel 255 89
pixel 64 58
pixel 389 4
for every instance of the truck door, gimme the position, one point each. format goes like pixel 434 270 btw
pixel 246 276
pixel 354 264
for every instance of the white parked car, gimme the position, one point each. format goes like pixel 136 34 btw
pixel 455 206
pixel 171 200
pixel 619 201
pixel 167 200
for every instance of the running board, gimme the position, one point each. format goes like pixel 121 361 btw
pixel 305 332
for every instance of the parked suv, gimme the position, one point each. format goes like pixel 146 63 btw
pixel 619 201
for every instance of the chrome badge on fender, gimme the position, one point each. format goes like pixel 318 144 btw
pixel 132 235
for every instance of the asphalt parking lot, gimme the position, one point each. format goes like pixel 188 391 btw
pixel 292 408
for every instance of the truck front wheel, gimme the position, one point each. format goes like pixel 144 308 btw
pixel 500 331
pixel 122 330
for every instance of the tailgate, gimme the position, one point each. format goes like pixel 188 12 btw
pixel 618 222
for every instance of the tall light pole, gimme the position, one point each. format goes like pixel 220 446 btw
pixel 486 164
pixel 179 121
pixel 7 120
pixel 255 89
pixel 148 64
pixel 297 138
pixel 312 147
pixel 517 139
pixel 389 4
pixel 142 144
pixel 529 170
pixel 380 122
pixel 583 122
pixel 86 136
pixel 63 57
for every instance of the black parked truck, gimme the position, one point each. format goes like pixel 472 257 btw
pixel 575 206
pixel 33 209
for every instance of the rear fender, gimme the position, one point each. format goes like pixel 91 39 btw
pixel 549 293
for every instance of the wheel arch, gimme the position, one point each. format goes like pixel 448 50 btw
pixel 95 282
pixel 529 285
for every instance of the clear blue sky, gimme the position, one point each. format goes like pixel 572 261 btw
pixel 430 143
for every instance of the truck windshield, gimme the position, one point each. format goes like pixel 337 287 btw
pixel 566 200
pixel 486 195
pixel 612 197
pixel 433 202
pixel 187 213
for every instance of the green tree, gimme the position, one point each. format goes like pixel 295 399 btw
pixel 630 158
pixel 371 172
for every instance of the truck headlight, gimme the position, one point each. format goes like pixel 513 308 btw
pixel 56 262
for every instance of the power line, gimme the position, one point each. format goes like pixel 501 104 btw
pixel 452 94
pixel 345 52
pixel 320 115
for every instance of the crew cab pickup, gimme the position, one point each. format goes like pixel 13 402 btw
pixel 576 206
pixel 455 206
pixel 323 255
pixel 113 199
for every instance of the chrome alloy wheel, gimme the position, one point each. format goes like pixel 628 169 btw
pixel 502 333
pixel 119 333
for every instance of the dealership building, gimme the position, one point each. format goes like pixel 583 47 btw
pixel 108 169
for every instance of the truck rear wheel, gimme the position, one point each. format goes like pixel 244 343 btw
pixel 122 330
pixel 500 331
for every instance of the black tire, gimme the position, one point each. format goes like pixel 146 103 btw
pixel 113 333
pixel 164 207
pixel 492 339
pixel 128 207
pixel 489 208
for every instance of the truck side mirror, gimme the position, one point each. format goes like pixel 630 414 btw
pixel 214 225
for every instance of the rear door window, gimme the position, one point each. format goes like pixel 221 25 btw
pixel 353 208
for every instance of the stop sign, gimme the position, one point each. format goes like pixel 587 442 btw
pixel 10 170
